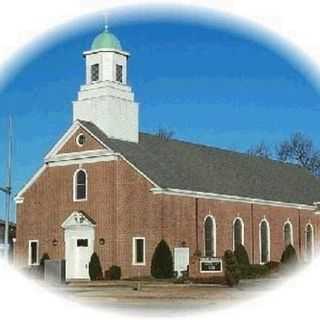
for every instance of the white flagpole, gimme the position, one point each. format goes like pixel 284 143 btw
pixel 8 191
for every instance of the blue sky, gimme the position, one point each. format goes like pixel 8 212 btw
pixel 209 84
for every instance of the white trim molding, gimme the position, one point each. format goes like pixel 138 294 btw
pixel 76 158
pixel 30 253
pixel 233 231
pixel 231 198
pixel 214 235
pixel 125 53
pixel 134 251
pixel 268 239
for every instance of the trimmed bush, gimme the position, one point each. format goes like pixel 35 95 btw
pixel 289 256
pixel 115 273
pixel 40 269
pixel 95 270
pixel 254 271
pixel 44 257
pixel 241 255
pixel 107 275
pixel 273 265
pixel 231 268
pixel 162 262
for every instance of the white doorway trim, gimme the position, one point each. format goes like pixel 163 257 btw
pixel 79 236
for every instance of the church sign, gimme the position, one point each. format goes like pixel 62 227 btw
pixel 210 264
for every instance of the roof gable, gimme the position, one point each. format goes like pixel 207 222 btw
pixel 71 145
pixel 67 143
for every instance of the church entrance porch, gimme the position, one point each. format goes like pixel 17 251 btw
pixel 79 238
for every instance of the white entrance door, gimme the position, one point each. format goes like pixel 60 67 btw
pixel 78 254
pixel 79 245
pixel 181 260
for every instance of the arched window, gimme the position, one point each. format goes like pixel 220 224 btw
pixel 238 232
pixel 309 242
pixel 80 185
pixel 209 237
pixel 287 234
pixel 264 241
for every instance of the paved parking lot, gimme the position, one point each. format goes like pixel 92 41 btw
pixel 170 297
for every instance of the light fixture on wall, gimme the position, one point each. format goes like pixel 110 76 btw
pixel 54 242
pixel 102 241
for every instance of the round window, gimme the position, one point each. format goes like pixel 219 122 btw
pixel 81 139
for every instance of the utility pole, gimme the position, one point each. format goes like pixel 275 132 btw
pixel 8 191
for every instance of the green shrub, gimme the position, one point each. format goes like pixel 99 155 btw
pixel 254 271
pixel 115 273
pixel 44 257
pixel 107 275
pixel 231 268
pixel 289 256
pixel 273 265
pixel 241 255
pixel 162 262
pixel 95 270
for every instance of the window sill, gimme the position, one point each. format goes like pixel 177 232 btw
pixel 79 200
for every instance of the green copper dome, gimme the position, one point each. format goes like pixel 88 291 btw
pixel 106 40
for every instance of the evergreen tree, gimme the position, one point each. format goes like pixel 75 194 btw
pixel 162 262
pixel 289 256
pixel 95 270
pixel 44 257
pixel 241 255
pixel 231 268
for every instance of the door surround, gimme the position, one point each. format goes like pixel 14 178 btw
pixel 78 226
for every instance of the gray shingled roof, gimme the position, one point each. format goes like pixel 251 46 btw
pixel 187 166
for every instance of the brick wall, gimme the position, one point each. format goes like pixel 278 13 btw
pixel 120 202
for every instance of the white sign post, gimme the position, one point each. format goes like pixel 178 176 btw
pixel 181 260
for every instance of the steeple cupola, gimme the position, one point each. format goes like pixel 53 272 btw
pixel 106 99
pixel 106 40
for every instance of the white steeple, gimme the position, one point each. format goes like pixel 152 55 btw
pixel 106 100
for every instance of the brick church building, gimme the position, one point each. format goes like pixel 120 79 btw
pixel 106 188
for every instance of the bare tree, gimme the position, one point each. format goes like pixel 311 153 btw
pixel 261 150
pixel 165 134
pixel 299 149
